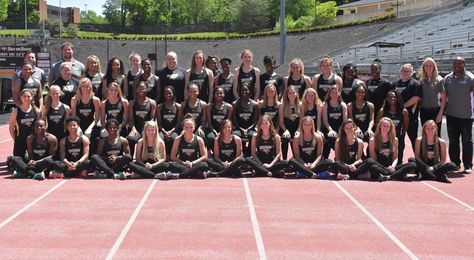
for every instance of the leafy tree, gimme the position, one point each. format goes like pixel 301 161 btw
pixel 4 9
pixel 299 8
pixel 53 26
pixel 92 17
pixel 325 13
pixel 16 11
pixel 71 30
pixel 253 16
pixel 113 12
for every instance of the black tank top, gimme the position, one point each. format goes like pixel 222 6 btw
pixel 202 80
pixel 75 150
pixel 150 159
pixel 114 111
pixel 130 81
pixel 169 116
pixel 361 116
pixel 56 119
pixel 31 85
pixel 173 78
pixel 325 84
pixel 188 151
pixel 85 112
pixel 385 155
pixel 226 84
pixel 272 112
pixel 96 84
pixel 24 123
pixel 335 117
pixel 40 149
pixel 353 151
pixel 245 114
pixel 431 160
pixel 228 152
pixel 119 80
pixel 313 113
pixel 195 111
pixel 308 151
pixel 348 92
pixel 266 80
pixel 397 120
pixel 300 85
pixel 141 114
pixel 266 150
pixel 292 121
pixel 247 78
pixel 113 149
pixel 217 116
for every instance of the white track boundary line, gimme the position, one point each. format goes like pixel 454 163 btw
pixel 31 204
pixel 449 196
pixel 130 222
pixel 6 140
pixel 377 222
pixel 253 216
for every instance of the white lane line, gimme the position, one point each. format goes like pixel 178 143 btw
pixel 253 216
pixel 6 140
pixel 132 219
pixel 25 208
pixel 377 222
pixel 449 196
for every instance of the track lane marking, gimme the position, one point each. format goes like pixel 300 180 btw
pixel 6 140
pixel 468 207
pixel 31 204
pixel 378 223
pixel 253 216
pixel 130 222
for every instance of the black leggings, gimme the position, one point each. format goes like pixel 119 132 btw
pixel 168 143
pixel 285 142
pixel 185 172
pixel 19 147
pixel 246 139
pixel 298 165
pixel 438 170
pixel 376 169
pixel 18 164
pixel 341 167
pixel 140 169
pixel 232 170
pixel 60 166
pixel 275 170
pixel 329 143
pixel 120 165
pixel 401 147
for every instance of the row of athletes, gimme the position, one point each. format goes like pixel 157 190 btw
pixel 426 98
pixel 189 155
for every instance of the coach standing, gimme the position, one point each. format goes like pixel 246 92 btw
pixel 67 55
pixel 459 85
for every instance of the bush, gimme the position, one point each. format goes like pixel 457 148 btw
pixel 72 31
pixel 252 16
pixel 53 26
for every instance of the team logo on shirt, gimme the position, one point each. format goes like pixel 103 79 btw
pixel 114 152
pixel 141 114
pixel 39 152
pixel 335 116
pixel 430 155
pixel 227 153
pixel 308 150
pixel 361 117
pixel 27 121
pixel 56 118
pixel 85 112
pixel 385 152
pixel 187 151
pixel 245 116
pixel 113 112
pixel 169 118
pixel 218 118
pixel 324 87
pixel 75 152
pixel 265 148
pixel 172 76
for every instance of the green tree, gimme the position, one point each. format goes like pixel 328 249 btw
pixel 53 26
pixel 4 4
pixel 71 30
pixel 325 13
pixel 113 12
pixel 92 17
pixel 253 16
pixel 16 11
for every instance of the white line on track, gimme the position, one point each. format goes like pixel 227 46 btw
pixel 253 217
pixel 25 208
pixel 132 219
pixel 6 140
pixel 449 196
pixel 377 222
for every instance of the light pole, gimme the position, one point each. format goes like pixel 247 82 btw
pixel 167 26
pixel 26 19
pixel 60 20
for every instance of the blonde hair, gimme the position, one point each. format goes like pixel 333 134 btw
pixel 313 131
pixel 328 94
pixel 317 101
pixel 286 101
pixel 424 76
pixel 424 141
pixel 113 83
pixel 156 141
pixel 87 82
pixel 48 100
pixel 89 61
pixel 298 62
pixel 265 97
pixel 378 134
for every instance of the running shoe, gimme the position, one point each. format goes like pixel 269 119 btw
pixel 100 175
pixel 39 176
pixel 120 176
